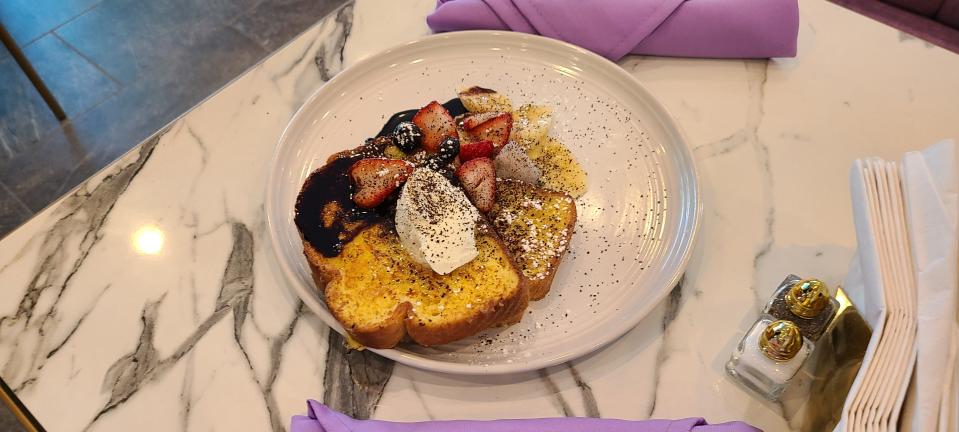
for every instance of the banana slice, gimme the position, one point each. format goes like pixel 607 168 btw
pixel 479 99
pixel 560 170
pixel 530 124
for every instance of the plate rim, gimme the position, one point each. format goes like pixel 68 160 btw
pixel 529 41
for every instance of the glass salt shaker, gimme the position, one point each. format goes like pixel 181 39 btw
pixel 769 356
pixel 805 302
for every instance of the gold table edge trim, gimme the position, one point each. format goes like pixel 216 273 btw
pixel 19 410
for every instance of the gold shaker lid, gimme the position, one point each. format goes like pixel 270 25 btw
pixel 781 340
pixel 807 298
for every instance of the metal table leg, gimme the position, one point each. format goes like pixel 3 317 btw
pixel 31 73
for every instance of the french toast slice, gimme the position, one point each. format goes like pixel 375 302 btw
pixel 380 295
pixel 536 225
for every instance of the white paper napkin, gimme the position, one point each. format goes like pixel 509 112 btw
pixel 875 405
pixel 864 285
pixel 931 188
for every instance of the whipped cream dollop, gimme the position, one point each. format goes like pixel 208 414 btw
pixel 435 221
pixel 512 162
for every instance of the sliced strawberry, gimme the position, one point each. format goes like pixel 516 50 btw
pixel 496 129
pixel 478 149
pixel 470 121
pixel 376 179
pixel 478 177
pixel 436 123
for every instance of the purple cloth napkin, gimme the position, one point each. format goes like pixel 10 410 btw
pixel 614 28
pixel 323 419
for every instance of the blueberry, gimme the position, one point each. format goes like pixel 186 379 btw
pixel 439 161
pixel 434 163
pixel 449 148
pixel 407 136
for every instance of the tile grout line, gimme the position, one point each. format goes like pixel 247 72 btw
pixel 88 60
pixel 266 51
pixel 71 120
pixel 58 26
pixel 65 183
pixel 16 199
pixel 237 17
pixel 231 24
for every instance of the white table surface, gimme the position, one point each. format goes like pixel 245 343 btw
pixel 204 335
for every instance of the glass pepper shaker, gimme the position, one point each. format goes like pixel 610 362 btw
pixel 769 356
pixel 805 302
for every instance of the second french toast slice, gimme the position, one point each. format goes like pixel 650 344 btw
pixel 536 225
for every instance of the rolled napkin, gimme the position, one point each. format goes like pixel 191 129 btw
pixel 614 28
pixel 320 418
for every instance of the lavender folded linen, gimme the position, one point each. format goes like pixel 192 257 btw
pixel 614 28
pixel 320 418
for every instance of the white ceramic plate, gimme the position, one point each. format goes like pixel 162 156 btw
pixel 636 222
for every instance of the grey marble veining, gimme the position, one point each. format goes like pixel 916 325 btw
pixel 329 57
pixel 586 406
pixel 669 315
pixel 80 220
pixel 557 396
pixel 590 406
pixel 354 380
pixel 748 136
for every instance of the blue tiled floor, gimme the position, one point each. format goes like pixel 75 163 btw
pixel 122 69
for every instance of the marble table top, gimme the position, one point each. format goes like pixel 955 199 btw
pixel 146 299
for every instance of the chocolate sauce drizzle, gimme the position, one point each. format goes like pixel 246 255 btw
pixel 329 189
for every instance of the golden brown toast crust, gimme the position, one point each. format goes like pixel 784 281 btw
pixel 385 335
pixel 558 213
pixel 403 321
